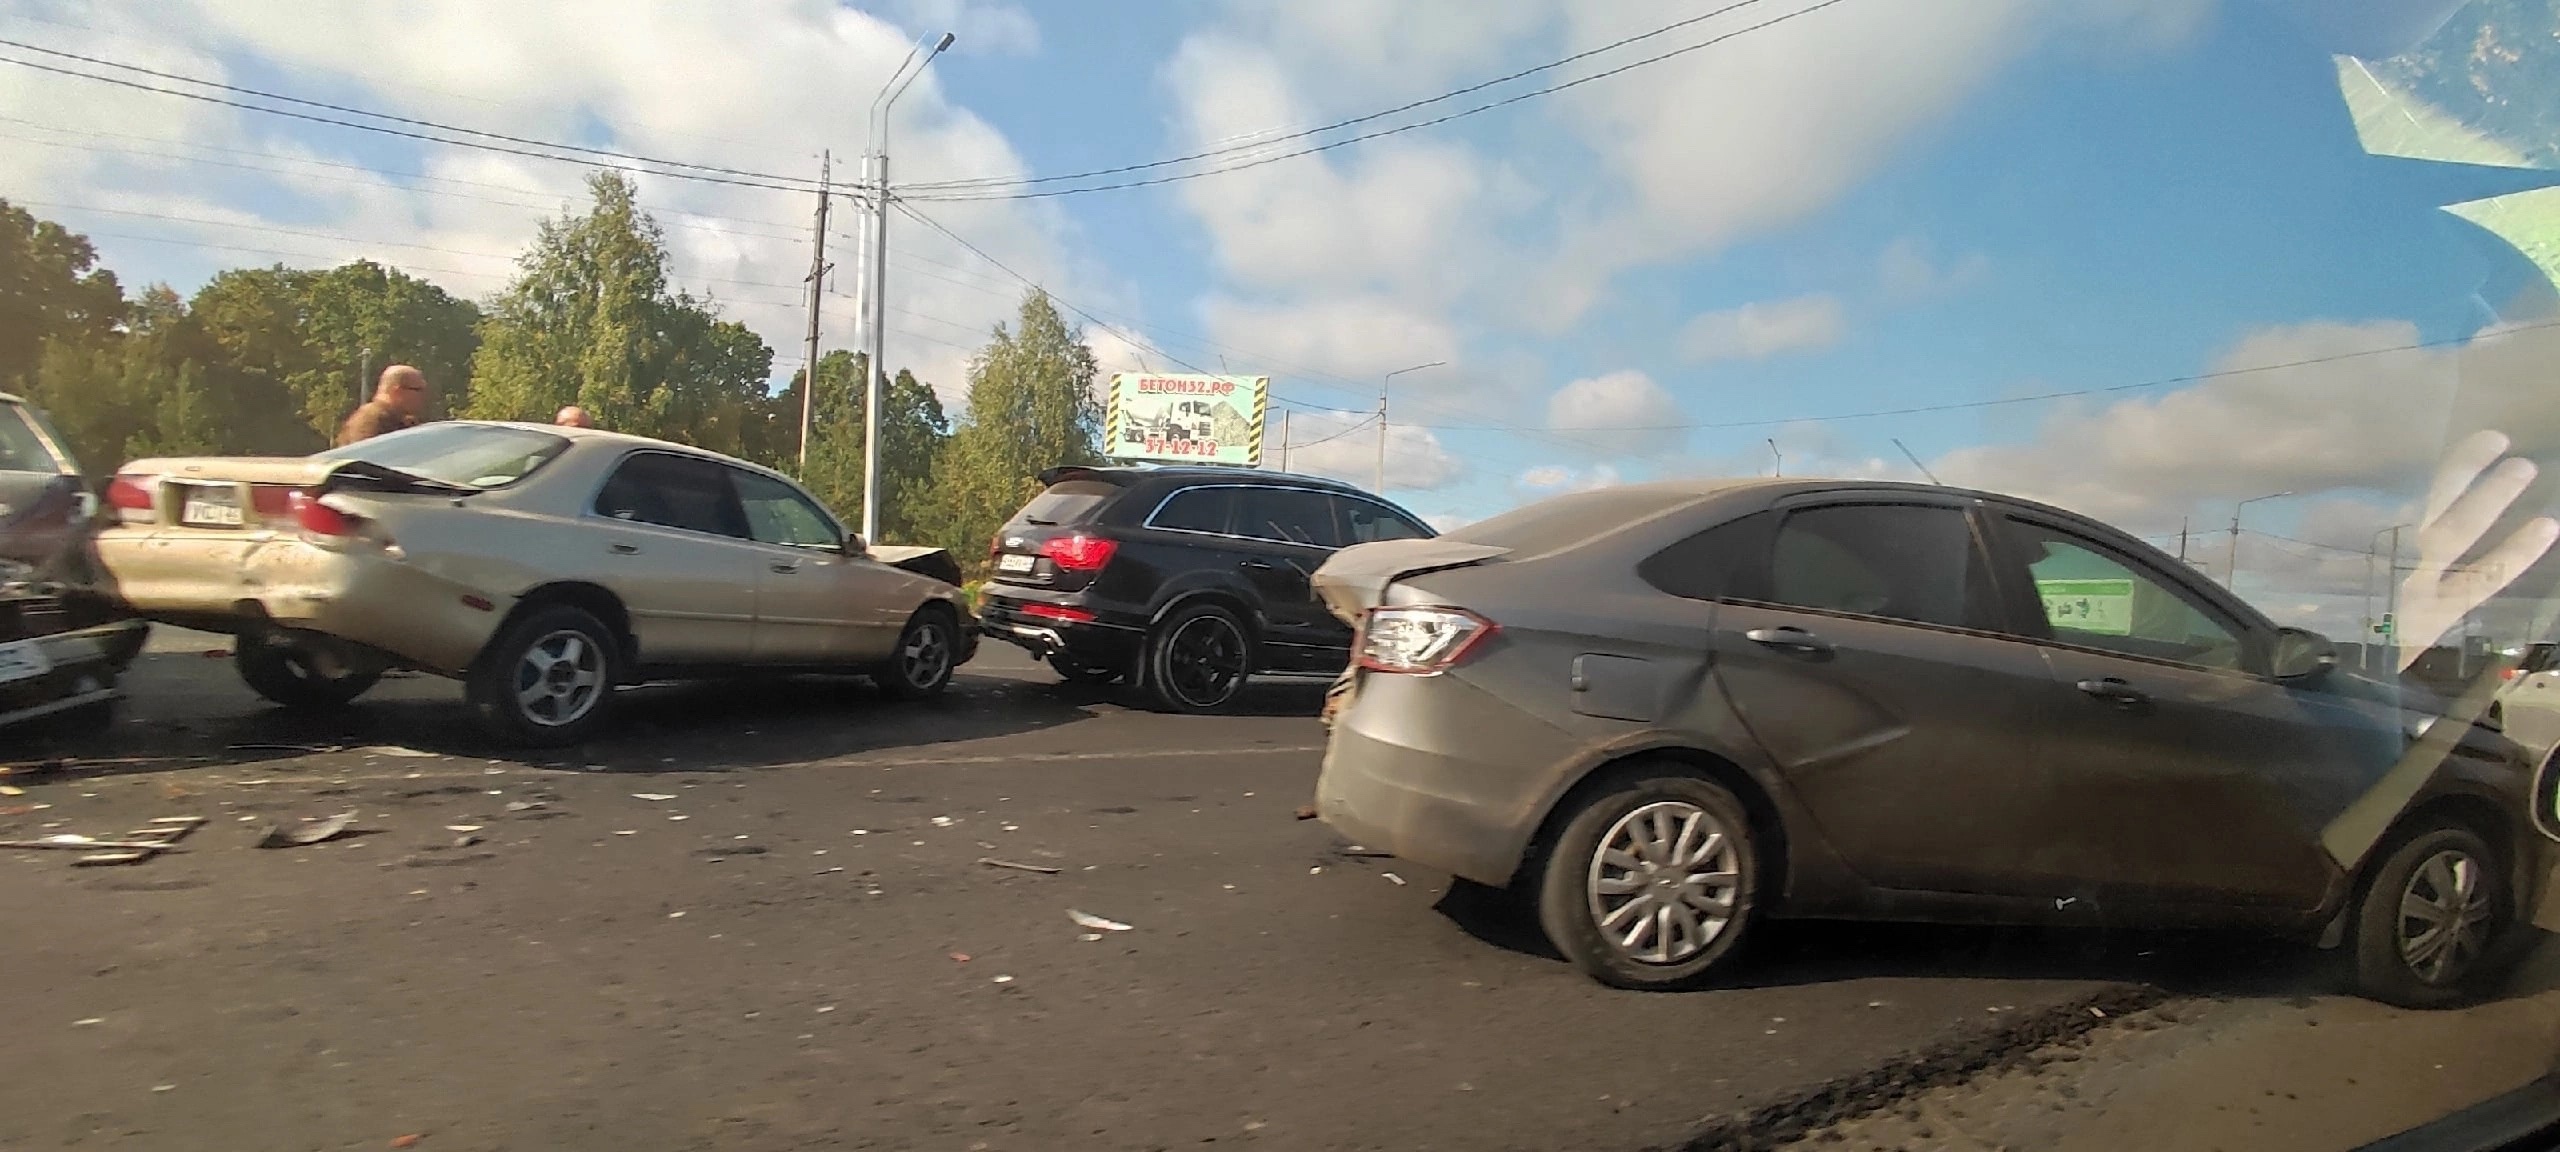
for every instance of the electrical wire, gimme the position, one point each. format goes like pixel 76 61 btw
pixel 1261 140
pixel 1382 133
pixel 396 119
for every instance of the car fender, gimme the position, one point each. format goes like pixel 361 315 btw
pixel 1223 586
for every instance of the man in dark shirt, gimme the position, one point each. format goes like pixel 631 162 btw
pixel 399 401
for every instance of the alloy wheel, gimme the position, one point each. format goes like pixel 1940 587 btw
pixel 925 655
pixel 559 679
pixel 1662 886
pixel 2445 914
pixel 1205 660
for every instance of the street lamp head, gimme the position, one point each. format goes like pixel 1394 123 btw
pixel 944 44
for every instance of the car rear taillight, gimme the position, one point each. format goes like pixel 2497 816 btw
pixel 1079 553
pixel 131 493
pixel 271 501
pixel 1420 641
pixel 320 519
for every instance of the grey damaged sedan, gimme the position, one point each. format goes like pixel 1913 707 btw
pixel 1662 713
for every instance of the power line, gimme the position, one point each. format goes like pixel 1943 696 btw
pixel 403 133
pixel 1262 141
pixel 964 194
pixel 396 119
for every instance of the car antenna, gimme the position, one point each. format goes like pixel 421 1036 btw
pixel 1915 462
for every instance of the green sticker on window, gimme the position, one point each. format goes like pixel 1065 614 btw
pixel 2104 607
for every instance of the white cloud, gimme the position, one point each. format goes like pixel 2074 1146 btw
pixel 1907 272
pixel 1759 331
pixel 1354 336
pixel 1550 479
pixel 761 85
pixel 1622 413
pixel 1344 445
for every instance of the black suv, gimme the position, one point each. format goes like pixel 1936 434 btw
pixel 1183 581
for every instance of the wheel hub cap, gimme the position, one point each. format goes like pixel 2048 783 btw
pixel 1663 885
pixel 560 679
pixel 2444 917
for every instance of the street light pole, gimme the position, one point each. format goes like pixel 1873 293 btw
pixel 1381 488
pixel 2231 567
pixel 876 174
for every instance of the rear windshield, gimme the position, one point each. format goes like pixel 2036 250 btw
pixel 22 446
pixel 1564 521
pixel 1066 502
pixel 472 455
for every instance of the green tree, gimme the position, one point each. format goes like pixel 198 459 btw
pixel 306 341
pixel 912 431
pixel 1031 407
pixel 50 288
pixel 590 321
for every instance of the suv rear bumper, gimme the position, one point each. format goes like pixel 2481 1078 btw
pixel 1096 643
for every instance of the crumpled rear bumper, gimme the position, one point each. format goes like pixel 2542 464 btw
pixel 84 665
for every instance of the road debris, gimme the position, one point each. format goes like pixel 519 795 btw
pixel 652 797
pixel 101 859
pixel 1392 878
pixel 523 805
pixel 89 1022
pixel 943 821
pixel 466 840
pixel 1004 979
pixel 408 1141
pixel 961 957
pixel 277 836
pixel 1306 812
pixel 1090 937
pixel 397 750
pixel 11 790
pixel 462 827
pixel 306 749
pixel 1097 923
pixel 1042 869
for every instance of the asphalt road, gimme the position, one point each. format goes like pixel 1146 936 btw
pixel 802 946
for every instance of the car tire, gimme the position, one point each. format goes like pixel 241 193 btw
pixel 287 679
pixel 1650 885
pixel 548 680
pixel 928 653
pixel 1197 660
pixel 2403 955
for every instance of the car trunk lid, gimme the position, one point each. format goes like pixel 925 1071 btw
pixel 224 493
pixel 1048 543
pixel 1356 579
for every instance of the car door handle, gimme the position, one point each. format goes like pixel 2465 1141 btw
pixel 2113 690
pixel 624 549
pixel 1793 639
pixel 1255 565
pixel 782 568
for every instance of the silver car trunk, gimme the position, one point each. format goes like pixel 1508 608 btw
pixel 1355 579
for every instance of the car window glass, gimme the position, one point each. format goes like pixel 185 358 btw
pixel 21 450
pixel 1197 510
pixel 1367 522
pixel 1066 502
pixel 1903 562
pixel 1287 515
pixel 1728 560
pixel 672 492
pixel 2095 598
pixel 477 455
pixel 778 514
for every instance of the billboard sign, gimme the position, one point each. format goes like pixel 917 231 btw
pixel 1191 419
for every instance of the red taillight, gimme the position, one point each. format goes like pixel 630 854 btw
pixel 1057 612
pixel 271 501
pixel 1420 641
pixel 1079 553
pixel 130 493
pixel 320 519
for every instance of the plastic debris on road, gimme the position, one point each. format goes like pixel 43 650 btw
pixel 943 821
pixel 1097 923
pixel 1042 869
pixel 1398 881
pixel 277 836
pixel 652 797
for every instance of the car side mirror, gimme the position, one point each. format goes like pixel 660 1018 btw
pixel 2300 654
pixel 853 545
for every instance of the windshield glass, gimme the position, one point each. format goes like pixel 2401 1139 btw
pixel 471 455
pixel 22 445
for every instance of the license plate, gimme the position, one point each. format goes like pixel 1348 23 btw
pixel 1013 563
pixel 22 660
pixel 210 508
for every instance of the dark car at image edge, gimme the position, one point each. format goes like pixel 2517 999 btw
pixel 1660 713
pixel 1183 581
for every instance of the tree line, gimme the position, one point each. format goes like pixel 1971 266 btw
pixel 268 361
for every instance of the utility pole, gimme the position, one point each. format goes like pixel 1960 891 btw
pixel 2391 601
pixel 2182 539
pixel 364 368
pixel 817 292
pixel 1778 460
pixel 876 175
pixel 2231 567
pixel 1381 488
pixel 1284 439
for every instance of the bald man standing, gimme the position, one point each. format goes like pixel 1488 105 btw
pixel 399 400
pixel 573 417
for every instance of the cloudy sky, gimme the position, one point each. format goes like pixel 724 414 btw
pixel 2127 255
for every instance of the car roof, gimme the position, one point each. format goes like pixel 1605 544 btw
pixel 1129 475
pixel 602 438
